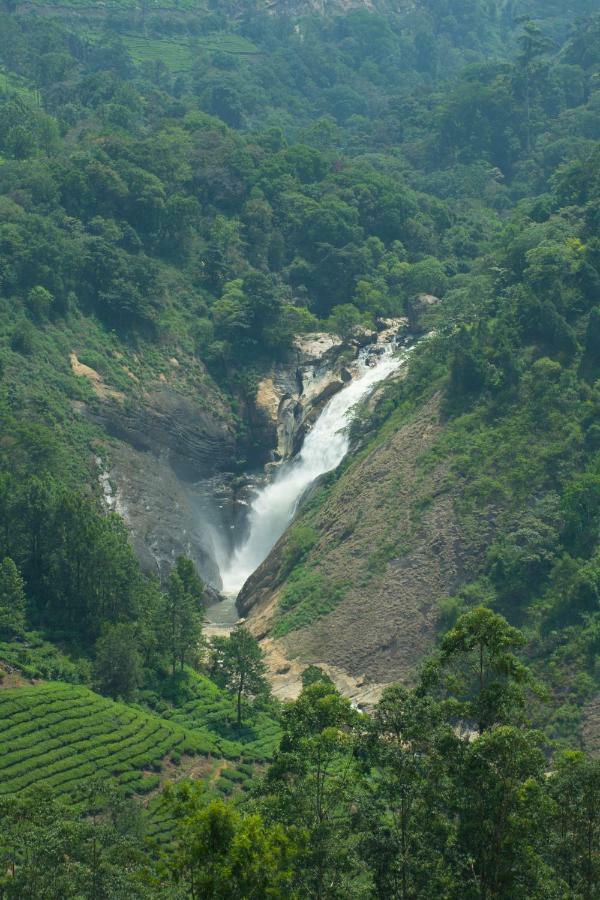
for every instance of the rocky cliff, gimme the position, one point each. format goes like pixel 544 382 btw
pixel 388 543
pixel 166 460
pixel 291 396
pixel 170 461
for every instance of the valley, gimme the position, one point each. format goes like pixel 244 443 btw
pixel 299 450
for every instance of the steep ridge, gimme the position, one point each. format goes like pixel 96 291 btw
pixel 388 536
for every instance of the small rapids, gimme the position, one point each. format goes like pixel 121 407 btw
pixel 323 449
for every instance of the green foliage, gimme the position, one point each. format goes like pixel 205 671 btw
pixel 300 540
pixel 344 320
pixel 401 803
pixel 307 596
pixel 575 795
pixel 49 850
pixel 237 663
pixel 12 600
pixel 214 709
pixel 214 182
pixel 314 674
pixel 180 616
pixel 311 785
pixel 223 854
pixel 61 735
pixel 480 668
pixel 118 665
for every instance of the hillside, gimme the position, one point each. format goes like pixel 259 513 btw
pixel 62 735
pixel 70 740
pixel 321 280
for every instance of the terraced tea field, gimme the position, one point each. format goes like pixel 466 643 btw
pixel 62 734
pixel 178 56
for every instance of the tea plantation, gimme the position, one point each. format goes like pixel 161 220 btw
pixel 61 734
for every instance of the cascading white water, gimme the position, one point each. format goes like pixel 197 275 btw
pixel 323 449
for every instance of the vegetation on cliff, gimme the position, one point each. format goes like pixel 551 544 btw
pixel 182 191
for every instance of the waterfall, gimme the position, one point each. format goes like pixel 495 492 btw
pixel 323 449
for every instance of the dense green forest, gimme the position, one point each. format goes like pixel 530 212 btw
pixel 206 183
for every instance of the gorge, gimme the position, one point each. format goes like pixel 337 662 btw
pixel 323 447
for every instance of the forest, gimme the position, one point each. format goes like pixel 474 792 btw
pixel 206 183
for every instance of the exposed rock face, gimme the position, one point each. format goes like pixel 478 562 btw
pixel 388 532
pixel 167 516
pixel 292 396
pixel 295 389
pixel 166 468
pixel 195 441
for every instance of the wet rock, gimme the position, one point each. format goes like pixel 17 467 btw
pixel 364 338
pixel 166 469
pixel 391 329
pixel 170 425
pixel 288 397
pixel 332 388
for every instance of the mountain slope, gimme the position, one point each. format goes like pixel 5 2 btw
pixel 388 536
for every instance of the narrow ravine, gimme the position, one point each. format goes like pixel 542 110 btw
pixel 324 447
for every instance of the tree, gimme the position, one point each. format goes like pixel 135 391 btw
pixel 182 615
pixel 533 46
pixel 404 821
pixel 581 509
pixel 344 320
pixel 223 854
pixel 313 784
pixel 192 583
pixel 12 600
pixel 503 815
pixel 590 361
pixel 477 667
pixel 40 301
pixel 238 662
pixel 118 665
pixel 574 788
pixel 49 850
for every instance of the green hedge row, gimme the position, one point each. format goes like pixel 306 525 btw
pixel 63 734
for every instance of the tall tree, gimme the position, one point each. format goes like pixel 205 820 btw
pixel 503 820
pixel 574 847
pixel 12 600
pixel 533 45
pixel 314 784
pixel 118 664
pixel 238 662
pixel 479 670
pixel 182 615
pixel 404 818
